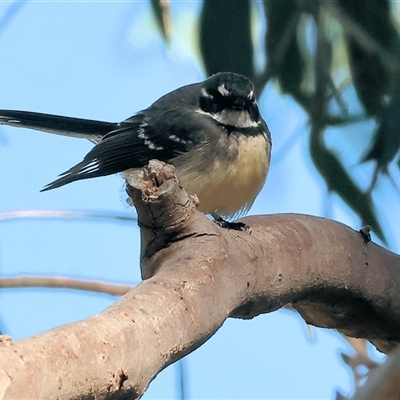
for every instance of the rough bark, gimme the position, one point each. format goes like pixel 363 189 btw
pixel 197 275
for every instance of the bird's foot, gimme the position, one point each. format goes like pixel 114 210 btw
pixel 237 226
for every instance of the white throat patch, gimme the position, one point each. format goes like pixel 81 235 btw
pixel 237 118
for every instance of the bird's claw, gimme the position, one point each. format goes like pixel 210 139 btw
pixel 237 226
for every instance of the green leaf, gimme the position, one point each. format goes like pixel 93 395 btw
pixel 162 14
pixel 371 76
pixel 285 61
pixel 339 181
pixel 225 37
pixel 387 137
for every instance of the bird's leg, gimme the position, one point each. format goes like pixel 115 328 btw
pixel 237 226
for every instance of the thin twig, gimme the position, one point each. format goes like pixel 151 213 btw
pixel 65 283
pixel 337 95
pixel 10 13
pixel 23 214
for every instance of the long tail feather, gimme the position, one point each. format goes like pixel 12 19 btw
pixel 76 127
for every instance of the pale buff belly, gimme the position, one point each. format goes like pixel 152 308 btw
pixel 229 187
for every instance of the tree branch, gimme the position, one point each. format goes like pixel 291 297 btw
pixel 197 275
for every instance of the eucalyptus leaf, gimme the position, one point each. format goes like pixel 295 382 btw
pixel 162 14
pixel 285 60
pixel 371 75
pixel 225 37
pixel 339 181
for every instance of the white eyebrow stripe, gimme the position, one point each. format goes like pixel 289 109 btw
pixel 223 90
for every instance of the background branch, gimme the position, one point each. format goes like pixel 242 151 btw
pixel 65 283
pixel 24 214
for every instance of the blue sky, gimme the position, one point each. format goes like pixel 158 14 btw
pixel 105 60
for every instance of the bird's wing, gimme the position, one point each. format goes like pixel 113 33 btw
pixel 131 145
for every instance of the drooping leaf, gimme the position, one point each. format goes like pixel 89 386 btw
pixel 225 36
pixel 370 75
pixel 284 57
pixel 162 14
pixel 387 137
pixel 339 181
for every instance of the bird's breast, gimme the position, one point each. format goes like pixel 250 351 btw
pixel 227 183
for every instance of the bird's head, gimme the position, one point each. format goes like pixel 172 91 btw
pixel 229 99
